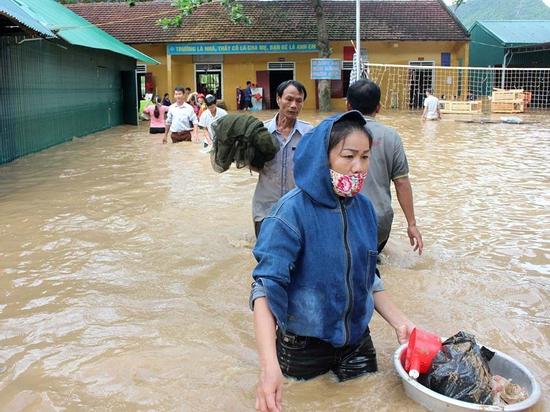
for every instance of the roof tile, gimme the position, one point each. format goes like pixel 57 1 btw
pixel 277 21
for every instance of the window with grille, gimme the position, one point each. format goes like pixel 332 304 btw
pixel 281 66
pixel 209 79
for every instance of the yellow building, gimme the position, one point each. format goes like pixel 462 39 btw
pixel 211 54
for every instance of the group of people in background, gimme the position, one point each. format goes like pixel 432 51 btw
pixel 183 118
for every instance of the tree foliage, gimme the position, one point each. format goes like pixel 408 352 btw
pixel 457 3
pixel 188 7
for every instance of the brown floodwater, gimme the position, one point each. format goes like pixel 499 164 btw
pixel 125 269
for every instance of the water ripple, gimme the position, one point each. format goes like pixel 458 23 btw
pixel 125 268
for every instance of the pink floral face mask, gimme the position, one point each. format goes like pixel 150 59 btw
pixel 347 185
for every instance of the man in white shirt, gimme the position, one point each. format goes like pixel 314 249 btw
pixel 181 119
pixel 209 116
pixel 431 107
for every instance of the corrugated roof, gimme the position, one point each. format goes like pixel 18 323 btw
pixel 76 30
pixel 518 32
pixel 277 21
pixel 16 11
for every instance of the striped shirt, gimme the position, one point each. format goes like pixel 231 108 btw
pixel 277 176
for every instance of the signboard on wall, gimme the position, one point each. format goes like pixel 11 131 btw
pixel 240 48
pixel 326 69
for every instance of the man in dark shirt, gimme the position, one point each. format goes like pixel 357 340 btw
pixel 248 96
pixel 388 163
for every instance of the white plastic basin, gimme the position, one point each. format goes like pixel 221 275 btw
pixel 501 364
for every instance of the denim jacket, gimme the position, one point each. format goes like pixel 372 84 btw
pixel 316 251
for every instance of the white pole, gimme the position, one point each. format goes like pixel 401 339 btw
pixel 504 69
pixel 358 38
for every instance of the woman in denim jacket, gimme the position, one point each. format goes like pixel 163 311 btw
pixel 315 287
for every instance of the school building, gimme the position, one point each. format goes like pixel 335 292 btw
pixel 211 54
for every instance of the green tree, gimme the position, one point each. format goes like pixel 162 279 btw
pixel 457 3
pixel 237 15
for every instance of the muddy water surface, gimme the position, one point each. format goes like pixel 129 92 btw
pixel 125 269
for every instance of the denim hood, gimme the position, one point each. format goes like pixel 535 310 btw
pixel 311 163
pixel 316 252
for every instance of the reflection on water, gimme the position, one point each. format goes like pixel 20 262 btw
pixel 125 269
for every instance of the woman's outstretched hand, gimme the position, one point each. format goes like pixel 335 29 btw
pixel 391 313
pixel 269 391
pixel 404 331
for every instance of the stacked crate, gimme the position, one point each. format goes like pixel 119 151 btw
pixel 508 101
pixel 452 106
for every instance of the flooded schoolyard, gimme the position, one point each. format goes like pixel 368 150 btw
pixel 125 269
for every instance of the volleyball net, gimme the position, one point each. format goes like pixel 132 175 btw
pixel 404 86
